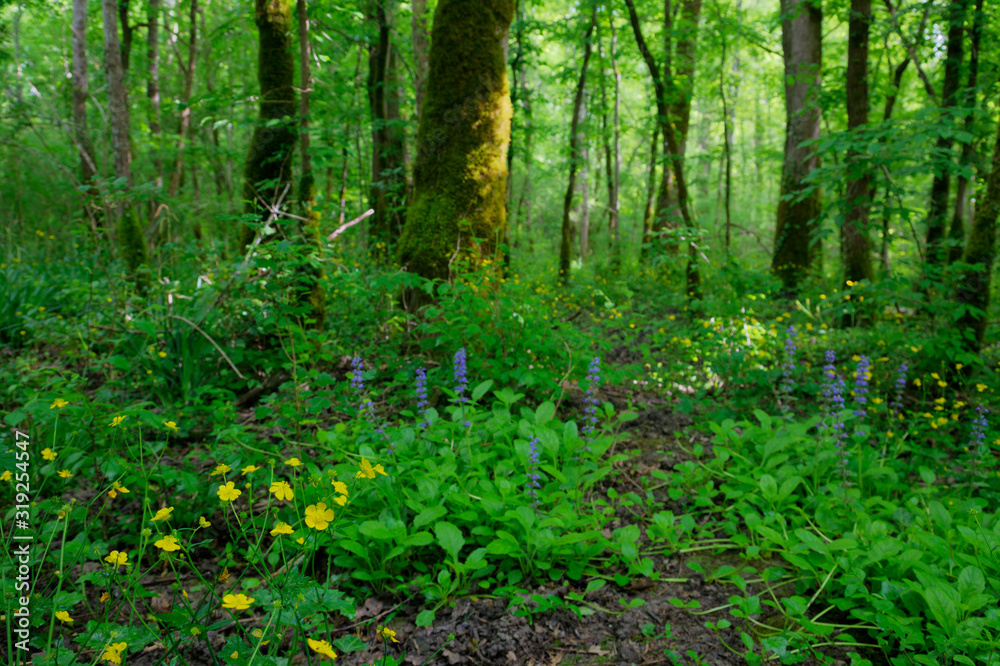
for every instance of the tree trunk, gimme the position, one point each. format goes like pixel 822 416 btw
pixel 728 118
pixel 185 124
pixel 856 243
pixel 517 82
pixel 575 135
pixel 418 27
pixel 272 146
pixel 153 84
pixel 672 146
pixel 88 169
pixel 583 184
pixel 957 234
pixel 798 212
pixel 890 103
pixel 117 100
pixel 128 31
pixel 461 166
pixel 974 290
pixel 387 185
pixel 613 206
pixel 309 276
pixel 649 213
pixel 937 222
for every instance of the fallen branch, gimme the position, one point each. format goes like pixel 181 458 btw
pixel 347 225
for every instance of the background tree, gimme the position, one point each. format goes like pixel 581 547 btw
pixel 854 235
pixel 460 173
pixel 268 173
pixel 797 219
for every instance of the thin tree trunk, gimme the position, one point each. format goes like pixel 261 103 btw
pixel 937 223
pixel 153 84
pixel 614 212
pixel 516 83
pixel 305 78
pixel 185 124
pixel 18 65
pixel 672 146
pixel 957 234
pixel 342 195
pixel 583 183
pixel 418 27
pixel 890 103
pixel 128 31
pixel 856 243
pixel 88 169
pixel 386 188
pixel 650 211
pixel 727 141
pixel 974 290
pixel 566 244
pixel 795 253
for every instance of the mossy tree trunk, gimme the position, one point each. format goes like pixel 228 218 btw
pixel 795 247
pixel 855 239
pixel 980 251
pixel 458 211
pixel 268 171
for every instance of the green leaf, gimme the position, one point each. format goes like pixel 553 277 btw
pixel 349 643
pixel 971 582
pixel 544 413
pixel 429 515
pixel 769 487
pixel 450 538
pixel 942 607
pixel 425 618
pixel 481 390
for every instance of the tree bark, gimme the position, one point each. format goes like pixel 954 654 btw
pixel 117 100
pixel 85 149
pixel 418 27
pixel 855 239
pixel 128 31
pixel 153 84
pixel 957 234
pixel 460 175
pixel 980 251
pixel 795 250
pixel 309 276
pixel 268 171
pixel 575 135
pixel 649 213
pixel 185 124
pixel 728 118
pixel 613 205
pixel 937 222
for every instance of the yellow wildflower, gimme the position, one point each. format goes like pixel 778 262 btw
pixel 58 403
pixel 163 514
pixel 282 490
pixel 228 492
pixel 237 601
pixel 318 516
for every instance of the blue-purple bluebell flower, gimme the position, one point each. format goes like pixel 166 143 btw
pixel 591 401
pixel 534 478
pixel 421 391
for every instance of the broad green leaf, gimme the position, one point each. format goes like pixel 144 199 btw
pixel 450 538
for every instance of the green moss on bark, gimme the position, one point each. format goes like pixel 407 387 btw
pixel 459 200
pixel 268 168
